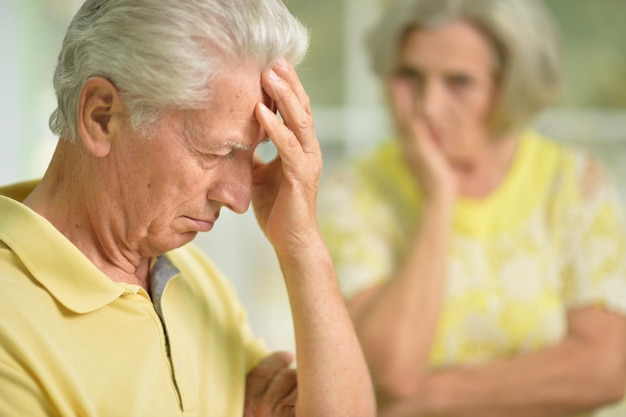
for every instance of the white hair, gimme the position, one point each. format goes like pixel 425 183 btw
pixel 163 54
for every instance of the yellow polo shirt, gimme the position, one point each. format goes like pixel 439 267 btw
pixel 75 343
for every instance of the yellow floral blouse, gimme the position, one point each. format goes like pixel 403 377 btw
pixel 549 239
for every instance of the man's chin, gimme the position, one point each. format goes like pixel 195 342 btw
pixel 178 240
pixel 185 238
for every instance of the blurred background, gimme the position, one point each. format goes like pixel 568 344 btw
pixel 346 103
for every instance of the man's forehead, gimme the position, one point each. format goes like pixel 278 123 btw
pixel 229 117
pixel 237 129
pixel 241 99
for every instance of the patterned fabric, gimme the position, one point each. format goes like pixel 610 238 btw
pixel 549 239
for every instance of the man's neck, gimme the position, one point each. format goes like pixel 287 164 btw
pixel 71 202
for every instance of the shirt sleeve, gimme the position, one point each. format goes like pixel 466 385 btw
pixel 595 273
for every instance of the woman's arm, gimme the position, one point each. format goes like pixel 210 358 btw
pixel 396 321
pixel 586 370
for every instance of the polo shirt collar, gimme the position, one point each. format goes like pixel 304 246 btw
pixel 53 260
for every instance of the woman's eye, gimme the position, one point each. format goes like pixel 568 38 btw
pixel 408 74
pixel 459 81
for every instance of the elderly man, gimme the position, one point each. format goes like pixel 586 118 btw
pixel 107 309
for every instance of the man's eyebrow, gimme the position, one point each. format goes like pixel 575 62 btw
pixel 230 144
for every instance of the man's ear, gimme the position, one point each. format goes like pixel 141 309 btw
pixel 100 115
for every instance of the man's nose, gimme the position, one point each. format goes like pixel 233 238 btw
pixel 234 187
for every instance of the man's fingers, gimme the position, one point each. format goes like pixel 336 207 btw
pixel 260 378
pixel 287 72
pixel 284 382
pixel 287 144
pixel 296 114
pixel 287 407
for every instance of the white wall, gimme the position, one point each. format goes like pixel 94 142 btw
pixel 11 100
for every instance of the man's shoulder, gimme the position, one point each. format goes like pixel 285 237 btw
pixel 14 276
pixel 22 298
pixel 18 191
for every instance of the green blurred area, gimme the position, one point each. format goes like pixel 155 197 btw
pixel 593 43
pixel 323 68
pixel 593 39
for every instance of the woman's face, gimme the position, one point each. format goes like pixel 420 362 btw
pixel 451 72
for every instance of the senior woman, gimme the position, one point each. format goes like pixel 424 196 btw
pixel 483 264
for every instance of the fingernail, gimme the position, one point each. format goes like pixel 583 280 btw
pixel 267 111
pixel 273 76
pixel 264 108
pixel 282 62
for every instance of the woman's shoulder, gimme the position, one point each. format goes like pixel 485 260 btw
pixel 571 171
pixel 548 149
pixel 557 158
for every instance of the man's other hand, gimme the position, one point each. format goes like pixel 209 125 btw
pixel 271 388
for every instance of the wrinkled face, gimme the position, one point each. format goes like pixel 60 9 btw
pixel 174 183
pixel 451 69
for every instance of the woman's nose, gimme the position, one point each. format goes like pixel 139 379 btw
pixel 433 100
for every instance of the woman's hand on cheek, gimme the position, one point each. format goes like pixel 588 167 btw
pixel 421 152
